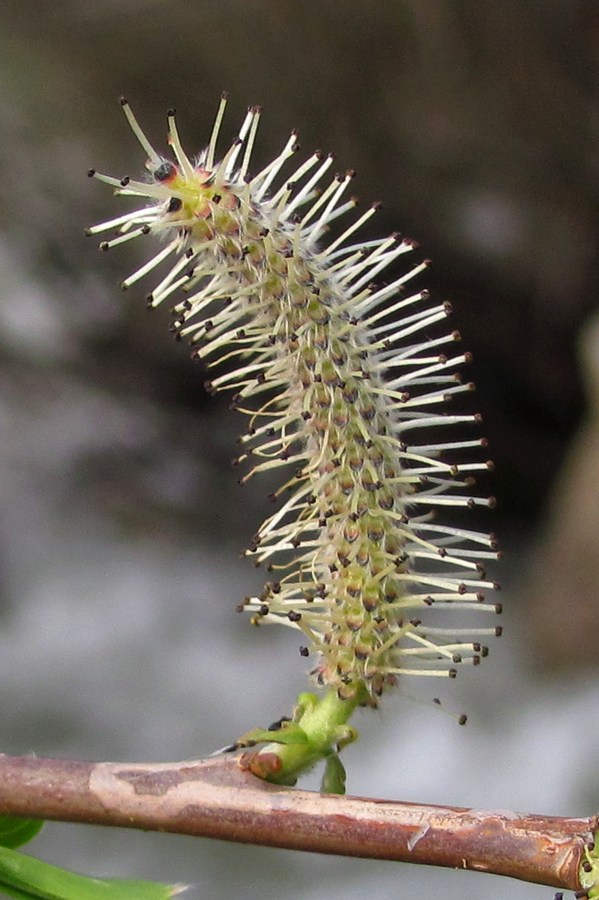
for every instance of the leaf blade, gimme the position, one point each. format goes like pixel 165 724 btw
pixel 27 878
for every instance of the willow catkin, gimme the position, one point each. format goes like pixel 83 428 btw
pixel 343 379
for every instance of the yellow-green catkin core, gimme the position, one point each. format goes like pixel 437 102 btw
pixel 349 599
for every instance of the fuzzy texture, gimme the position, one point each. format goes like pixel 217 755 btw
pixel 342 381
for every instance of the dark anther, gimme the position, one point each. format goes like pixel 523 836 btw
pixel 275 726
pixel 174 205
pixel 164 171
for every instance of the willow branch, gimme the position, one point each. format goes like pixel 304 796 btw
pixel 217 798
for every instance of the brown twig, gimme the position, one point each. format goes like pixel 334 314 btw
pixel 218 798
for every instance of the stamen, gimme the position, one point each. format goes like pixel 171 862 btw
pixel 153 158
pixel 150 265
pixel 210 154
pixel 255 111
pixel 175 142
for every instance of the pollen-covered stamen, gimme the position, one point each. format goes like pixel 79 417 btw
pixel 170 282
pixel 249 125
pixel 348 232
pixel 255 112
pixel 421 420
pixel 187 169
pixel 373 300
pixel 123 238
pixel 393 357
pixel 153 157
pixel 152 264
pixel 335 374
pixel 327 199
pixel 260 183
pixel 128 219
pixel 307 190
pixel 410 324
pixel 383 257
pixel 211 151
pixel 422 375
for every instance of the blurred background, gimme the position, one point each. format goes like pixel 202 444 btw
pixel 476 124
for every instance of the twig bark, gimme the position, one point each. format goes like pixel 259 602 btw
pixel 218 798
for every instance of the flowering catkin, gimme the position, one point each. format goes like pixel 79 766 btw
pixel 342 383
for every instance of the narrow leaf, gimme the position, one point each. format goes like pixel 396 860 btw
pixel 333 780
pixel 26 878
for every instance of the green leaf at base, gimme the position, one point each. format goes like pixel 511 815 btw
pixel 333 780
pixel 26 878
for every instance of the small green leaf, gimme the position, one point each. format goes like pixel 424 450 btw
pixel 333 779
pixel 26 878
pixel 14 831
